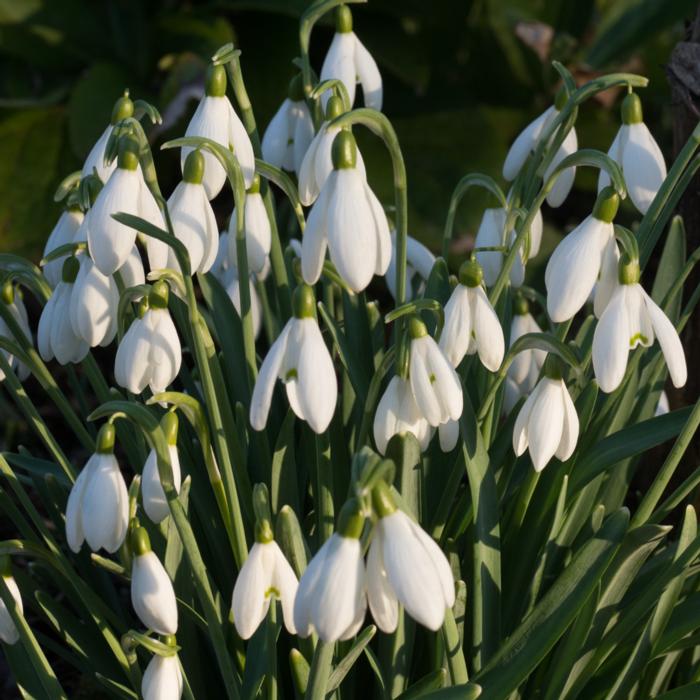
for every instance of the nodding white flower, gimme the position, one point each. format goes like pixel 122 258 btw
pixel 290 131
pixel 575 264
pixel 419 265
pixel 258 232
pixel 348 218
pixel 193 222
pixel 448 435
pixel 434 383
pixel 632 318
pixel 215 119
pixel 471 324
pixel 123 108
pixel 332 594
pixel 9 633
pixel 154 501
pixel 55 335
pixel 98 504
pixel 547 423
pixel 152 593
pixel 397 412
pixel 265 575
pixel 299 358
pixel 12 300
pixel 150 353
pixel 405 565
pixel 162 679
pixel 63 232
pixel 663 406
pixel 637 153
pixel 349 61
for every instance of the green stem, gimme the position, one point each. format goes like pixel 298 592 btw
pixel 453 650
pixel 323 501
pixel 320 671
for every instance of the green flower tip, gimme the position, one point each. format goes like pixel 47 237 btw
pixel 416 328
pixel 470 273
pixel 169 423
pixel 521 305
pixel 193 172
pixel 628 270
pixel 254 185
pixel 128 158
pixel 169 640
pixel 553 368
pixel 304 302
pixel 334 107
pixel 296 88
pixel 105 439
pixel 123 108
pixel 140 541
pixel 142 307
pixel 344 150
pixel 631 109
pixel 382 500
pixel 560 99
pixel 8 293
pixel 71 267
pixel 158 296
pixel 263 531
pixel 343 19
pixel 606 205
pixel 350 520
pixel 215 81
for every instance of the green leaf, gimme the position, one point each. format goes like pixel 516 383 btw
pixel 283 486
pixel 670 267
pixel 469 691
pixel 686 692
pixel 346 663
pixel 421 688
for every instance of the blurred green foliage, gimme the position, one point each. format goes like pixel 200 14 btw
pixel 461 79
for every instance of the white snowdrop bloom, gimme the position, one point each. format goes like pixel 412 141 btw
pixel 565 180
pixel 575 264
pixel 448 435
pixel 265 575
pixel 349 61
pixel 300 359
pixel 348 219
pixel 397 413
pixel 632 318
pixel 258 232
pixel 152 593
pixel 663 406
pixel 12 300
pixel 547 423
pixel 471 324
pixel 63 232
pixel 290 131
pixel 607 282
pixel 637 153
pixel 162 679
pixel 55 335
pixel 215 119
pixel 154 501
pixel 491 233
pixel 434 383
pixel 150 353
pixel 419 264
pixel 332 594
pixel 405 565
pixel 9 633
pixel 98 504
pixel 95 162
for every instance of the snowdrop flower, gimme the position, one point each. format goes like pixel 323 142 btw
pixel 637 153
pixel 258 233
pixel 631 318
pixel 299 358
pixel 405 565
pixel 9 633
pixel 55 335
pixel 63 232
pixel 95 162
pixel 526 142
pixel 98 504
pixel 575 264
pixel 290 131
pixel 397 413
pixel 193 221
pixel 12 300
pixel 607 282
pixel 162 679
pixel 265 575
pixel 150 353
pixel 348 218
pixel 152 593
pixel 332 598
pixel 154 501
pixel 434 383
pixel 215 119
pixel 547 423
pixel 448 435
pixel 419 265
pixel 471 324
pixel 349 61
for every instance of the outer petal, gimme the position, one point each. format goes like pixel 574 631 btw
pixel 340 63
pixel 546 423
pixel 422 387
pixel 285 581
pixel 152 594
pixel 608 281
pixel 569 436
pixel 165 355
pixel 521 438
pixel 643 166
pixel 93 304
pixel 382 600
pixel 524 144
pixel 565 179
pixel 368 75
pixel 307 593
pixel 448 434
pixel 96 158
pixel 131 368
pixel 440 564
pixel 162 679
pixel 154 502
pixel 250 602
pixel 457 331
pixel 614 153
pixel 381 226
pixel 611 342
pixel 74 522
pixel 520 367
pixel 313 245
pixel 276 137
pixel 43 334
pixel 491 233
pixel 669 341
pixel 242 147
pixel 488 331
pixel 303 132
pixel 309 186
pixel 189 223
pixel 257 232
pixel 62 233
pixel 445 380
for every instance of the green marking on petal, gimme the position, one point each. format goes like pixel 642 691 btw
pixel 638 338
pixel 291 374
pixel 272 591
pixel 432 377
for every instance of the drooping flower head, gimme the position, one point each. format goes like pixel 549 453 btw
pixel 257 229
pixel 163 677
pixel 154 501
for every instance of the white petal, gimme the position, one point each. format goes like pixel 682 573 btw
pixel 422 386
pixel 315 240
pixel 571 426
pixel 440 564
pixel 303 132
pixel 608 281
pixel 382 600
pixel 162 679
pixel 93 305
pixel 62 233
pixel 457 331
pixel 381 226
pixel 309 187
pixel 307 597
pixel 536 234
pixel 154 502
pixel 643 166
pixel 165 355
pixel 95 159
pixel 546 423
pixel 152 594
pixel 285 581
pixel 368 75
pixel 490 233
pixel 611 342
pixel 74 523
pixel 258 232
pixel 488 331
pixel 448 434
pixel 669 341
pixel 242 147
pixel 445 380
pixel 250 602
pixel 522 422
pixel 565 179
pixel 614 153
pixel 524 144
pixel 276 138
pixel 340 64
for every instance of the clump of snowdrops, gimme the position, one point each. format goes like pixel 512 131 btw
pixel 286 485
